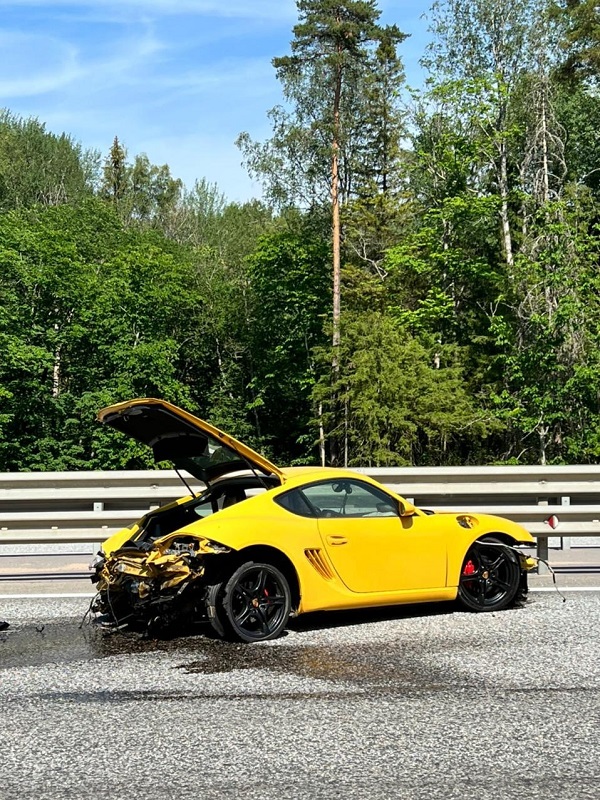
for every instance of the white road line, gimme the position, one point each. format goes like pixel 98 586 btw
pixel 566 589
pixel 43 596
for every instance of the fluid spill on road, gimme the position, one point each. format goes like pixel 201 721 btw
pixel 67 641
pixel 364 664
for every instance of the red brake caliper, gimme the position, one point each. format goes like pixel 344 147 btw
pixel 469 568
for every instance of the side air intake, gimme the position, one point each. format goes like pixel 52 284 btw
pixel 319 563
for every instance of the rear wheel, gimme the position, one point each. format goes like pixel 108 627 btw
pixel 253 605
pixel 490 576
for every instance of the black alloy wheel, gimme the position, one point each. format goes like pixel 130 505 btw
pixel 489 577
pixel 254 605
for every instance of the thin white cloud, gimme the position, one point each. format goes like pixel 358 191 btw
pixel 126 59
pixel 35 64
pixel 39 65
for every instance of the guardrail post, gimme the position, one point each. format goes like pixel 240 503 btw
pixel 565 541
pixel 542 544
pixel 542 552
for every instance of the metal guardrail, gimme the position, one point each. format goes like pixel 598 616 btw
pixel 80 507
pixel 529 495
pixel 86 507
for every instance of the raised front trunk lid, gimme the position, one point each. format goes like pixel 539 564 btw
pixel 190 443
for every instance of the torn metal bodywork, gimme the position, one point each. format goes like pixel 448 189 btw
pixel 156 573
pixel 142 585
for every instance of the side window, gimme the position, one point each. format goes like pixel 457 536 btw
pixel 349 498
pixel 295 502
pixel 204 508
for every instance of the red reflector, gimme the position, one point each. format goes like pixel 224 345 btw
pixel 552 522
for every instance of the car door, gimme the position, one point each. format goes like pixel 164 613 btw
pixel 373 548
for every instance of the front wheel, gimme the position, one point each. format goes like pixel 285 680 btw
pixel 490 576
pixel 253 605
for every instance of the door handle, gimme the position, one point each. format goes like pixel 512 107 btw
pixel 337 540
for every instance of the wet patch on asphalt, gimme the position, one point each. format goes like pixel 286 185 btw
pixel 357 666
pixel 69 640
pixel 400 666
pixel 360 668
pixel 64 642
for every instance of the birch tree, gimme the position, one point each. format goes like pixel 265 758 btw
pixel 481 49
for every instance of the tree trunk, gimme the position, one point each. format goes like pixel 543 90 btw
pixel 335 208
pixel 504 218
pixel 543 433
pixel 321 436
pixel 336 255
pixel 545 155
pixel 56 371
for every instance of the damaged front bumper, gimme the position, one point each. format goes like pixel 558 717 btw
pixel 142 586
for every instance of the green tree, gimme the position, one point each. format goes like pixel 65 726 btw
pixel 331 46
pixel 290 293
pixel 91 313
pixel 37 166
pixel 402 404
pixel 549 340
pixel 580 25
pixel 330 54
pixel 578 111
pixel 480 50
pixel 372 219
pixel 115 173
pixel 144 194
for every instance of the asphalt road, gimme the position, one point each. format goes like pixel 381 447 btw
pixel 404 703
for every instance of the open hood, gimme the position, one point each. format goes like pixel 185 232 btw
pixel 190 443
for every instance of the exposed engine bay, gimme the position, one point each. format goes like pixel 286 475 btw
pixel 142 587
pixel 159 576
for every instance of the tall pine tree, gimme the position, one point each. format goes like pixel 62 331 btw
pixel 322 80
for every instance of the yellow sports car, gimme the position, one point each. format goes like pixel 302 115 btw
pixel 261 543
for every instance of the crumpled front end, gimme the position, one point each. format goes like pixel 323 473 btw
pixel 143 586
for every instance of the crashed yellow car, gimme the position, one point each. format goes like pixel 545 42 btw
pixel 261 544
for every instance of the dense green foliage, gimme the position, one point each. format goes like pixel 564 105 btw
pixel 470 216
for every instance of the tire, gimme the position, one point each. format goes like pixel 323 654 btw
pixel 253 605
pixel 214 612
pixel 490 576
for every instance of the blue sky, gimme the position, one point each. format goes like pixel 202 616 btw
pixel 175 79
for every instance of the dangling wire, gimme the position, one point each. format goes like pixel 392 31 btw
pixel 553 573
pixel 520 553
pixel 89 610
